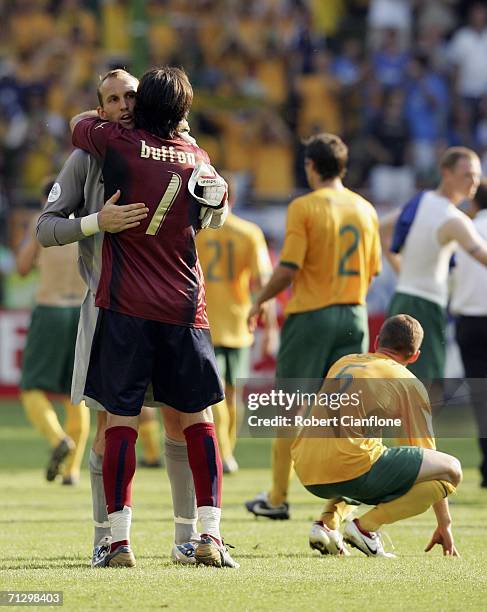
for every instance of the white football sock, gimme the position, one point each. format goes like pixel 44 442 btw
pixel 209 517
pixel 120 524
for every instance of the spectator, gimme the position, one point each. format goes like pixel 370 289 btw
pixel 467 53
pixel 389 62
pixel 391 179
pixel 426 111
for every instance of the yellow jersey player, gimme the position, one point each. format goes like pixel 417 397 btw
pixel 47 364
pixel 340 463
pixel 330 255
pixel 234 260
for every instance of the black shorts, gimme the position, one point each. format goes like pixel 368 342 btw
pixel 129 354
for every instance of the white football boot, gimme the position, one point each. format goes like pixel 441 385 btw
pixel 183 554
pixel 327 541
pixel 100 551
pixel 371 544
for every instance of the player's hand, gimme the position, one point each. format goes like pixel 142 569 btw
pixel 256 312
pixel 444 537
pixel 270 342
pixel 114 219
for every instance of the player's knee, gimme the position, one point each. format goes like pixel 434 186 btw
pixel 455 472
pixel 99 440
pixel 172 424
pixel 99 444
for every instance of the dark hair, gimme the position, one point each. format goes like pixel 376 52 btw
pixel 163 99
pixel 480 198
pixel 452 155
pixel 401 333
pixel 328 153
pixel 111 74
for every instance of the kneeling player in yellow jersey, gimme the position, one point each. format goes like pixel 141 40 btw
pixel 345 467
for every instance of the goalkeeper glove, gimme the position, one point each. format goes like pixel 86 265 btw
pixel 211 191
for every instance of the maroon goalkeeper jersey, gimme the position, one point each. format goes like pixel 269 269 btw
pixel 151 271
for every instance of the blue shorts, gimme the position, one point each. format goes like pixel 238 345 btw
pixel 129 354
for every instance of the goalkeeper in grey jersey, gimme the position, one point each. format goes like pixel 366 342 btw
pixel 79 191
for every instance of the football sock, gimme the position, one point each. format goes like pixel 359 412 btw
pixel 334 512
pixel 100 516
pixel 209 517
pixel 77 426
pixel 149 436
pixel 281 470
pixel 416 501
pixel 205 462
pixel 182 490
pixel 206 466
pixel 222 425
pixel 118 473
pixel 120 522
pixel 42 415
pixel 231 401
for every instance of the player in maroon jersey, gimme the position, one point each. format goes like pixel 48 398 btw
pixel 152 327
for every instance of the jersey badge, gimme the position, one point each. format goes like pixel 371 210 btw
pixel 55 193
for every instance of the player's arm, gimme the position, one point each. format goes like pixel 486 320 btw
pixel 26 256
pixel 92 134
pixel 261 270
pixel 270 333
pixel 462 229
pixel 386 230
pixel 282 276
pixel 291 260
pixel 54 227
pixel 375 262
pixel 89 114
pixel 443 533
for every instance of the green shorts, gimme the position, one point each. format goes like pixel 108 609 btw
pixel 312 341
pixel 391 476
pixel 232 363
pixel 48 358
pixel 431 362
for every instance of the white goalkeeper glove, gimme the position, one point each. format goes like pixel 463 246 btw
pixel 211 191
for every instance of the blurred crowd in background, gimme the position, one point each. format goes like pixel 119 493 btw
pixel 399 80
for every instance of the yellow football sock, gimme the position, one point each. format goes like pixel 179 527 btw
pixel 42 415
pixel 334 512
pixel 150 438
pixel 231 402
pixel 77 426
pixel 416 501
pixel 221 419
pixel 281 470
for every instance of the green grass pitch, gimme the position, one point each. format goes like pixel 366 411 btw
pixel 46 537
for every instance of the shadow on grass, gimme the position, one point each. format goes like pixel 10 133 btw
pixel 46 564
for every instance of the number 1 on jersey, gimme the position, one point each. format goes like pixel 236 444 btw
pixel 167 200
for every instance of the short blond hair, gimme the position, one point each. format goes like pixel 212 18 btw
pixel 111 74
pixel 451 156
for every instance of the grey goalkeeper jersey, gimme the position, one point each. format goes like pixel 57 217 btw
pixel 78 191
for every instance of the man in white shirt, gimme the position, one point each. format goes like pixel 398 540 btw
pixel 467 52
pixel 469 302
pixel 428 231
